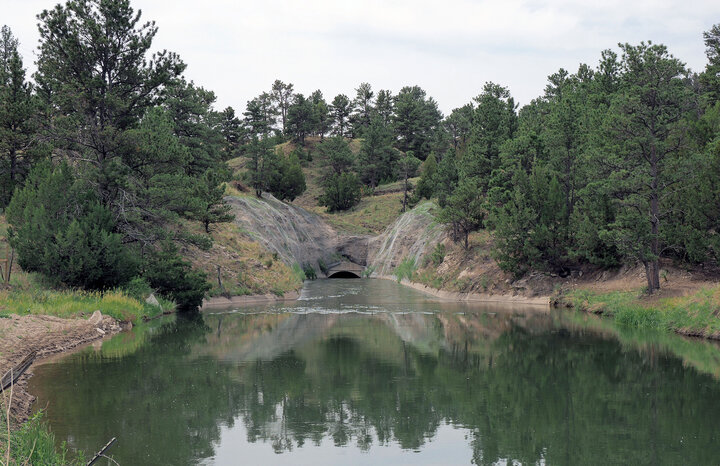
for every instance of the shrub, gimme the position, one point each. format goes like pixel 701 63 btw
pixel 61 231
pixel 406 269
pixel 309 271
pixel 175 278
pixel 341 192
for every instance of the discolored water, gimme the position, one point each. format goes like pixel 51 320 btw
pixel 370 372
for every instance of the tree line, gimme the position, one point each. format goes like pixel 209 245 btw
pixel 106 152
pixel 612 164
pixel 109 149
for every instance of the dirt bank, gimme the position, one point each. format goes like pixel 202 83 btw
pixel 542 301
pixel 46 335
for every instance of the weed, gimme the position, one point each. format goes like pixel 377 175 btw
pixel 406 269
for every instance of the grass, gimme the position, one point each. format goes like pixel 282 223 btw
pixel 75 303
pixel 32 443
pixel 405 269
pixel 697 314
pixel 245 267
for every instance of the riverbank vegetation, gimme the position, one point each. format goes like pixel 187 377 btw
pixel 693 315
pixel 109 158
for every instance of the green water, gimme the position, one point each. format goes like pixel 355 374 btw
pixel 369 372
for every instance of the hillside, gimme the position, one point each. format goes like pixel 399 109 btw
pixel 372 215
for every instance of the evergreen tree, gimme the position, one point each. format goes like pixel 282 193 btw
pixel 362 109
pixel 342 192
pixel 60 230
pixel 377 156
pixel 494 123
pixel 415 121
pixel 426 185
pixel 18 107
pixel 300 119
pixel 321 114
pixel 407 166
pixel 710 78
pixel 209 206
pixel 282 96
pixel 648 131
pixel 340 110
pixel 232 132
pixel 384 106
pixel 337 152
pixel 459 124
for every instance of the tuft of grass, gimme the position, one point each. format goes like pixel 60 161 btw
pixel 33 443
pixel 406 269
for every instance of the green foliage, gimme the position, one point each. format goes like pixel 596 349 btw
pixel 285 178
pixel 377 156
pixel 209 204
pixel 19 149
pixel 322 266
pixel 34 443
pixel 464 210
pixel 64 233
pixel 415 121
pixel 309 271
pixel 173 277
pixel 342 192
pixel 300 118
pixel 437 256
pixel 337 152
pixel 405 269
pixel 425 188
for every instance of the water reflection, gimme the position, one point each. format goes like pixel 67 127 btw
pixel 349 374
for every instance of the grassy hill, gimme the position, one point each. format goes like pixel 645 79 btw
pixel 371 216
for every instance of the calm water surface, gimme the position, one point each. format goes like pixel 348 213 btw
pixel 369 372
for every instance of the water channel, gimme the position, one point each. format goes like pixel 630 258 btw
pixel 371 372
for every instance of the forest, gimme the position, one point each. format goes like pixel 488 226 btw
pixel 107 150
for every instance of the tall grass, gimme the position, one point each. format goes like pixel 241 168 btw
pixel 74 303
pixel 32 443
pixel 406 269
pixel 697 314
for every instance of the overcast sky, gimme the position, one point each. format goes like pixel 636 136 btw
pixel 448 47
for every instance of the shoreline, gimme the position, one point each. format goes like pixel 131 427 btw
pixel 46 336
pixel 455 296
pixel 218 302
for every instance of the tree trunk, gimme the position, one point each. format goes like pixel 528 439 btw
pixel 654 268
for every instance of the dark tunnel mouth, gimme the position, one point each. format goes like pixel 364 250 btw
pixel 344 274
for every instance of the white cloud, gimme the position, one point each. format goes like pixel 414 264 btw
pixel 450 48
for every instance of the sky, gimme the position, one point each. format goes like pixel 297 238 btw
pixel 450 48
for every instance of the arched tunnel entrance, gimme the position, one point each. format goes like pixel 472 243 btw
pixel 344 274
pixel 345 269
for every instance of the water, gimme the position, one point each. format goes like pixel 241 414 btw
pixel 369 372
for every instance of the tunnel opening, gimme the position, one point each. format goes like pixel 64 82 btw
pixel 344 274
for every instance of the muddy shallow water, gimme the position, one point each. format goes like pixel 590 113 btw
pixel 370 372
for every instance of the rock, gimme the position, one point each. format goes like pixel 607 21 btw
pixel 96 318
pixel 152 300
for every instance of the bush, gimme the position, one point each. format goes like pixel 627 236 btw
pixel 438 255
pixel 175 278
pixel 61 231
pixel 341 192
pixel 309 271
pixel 286 180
